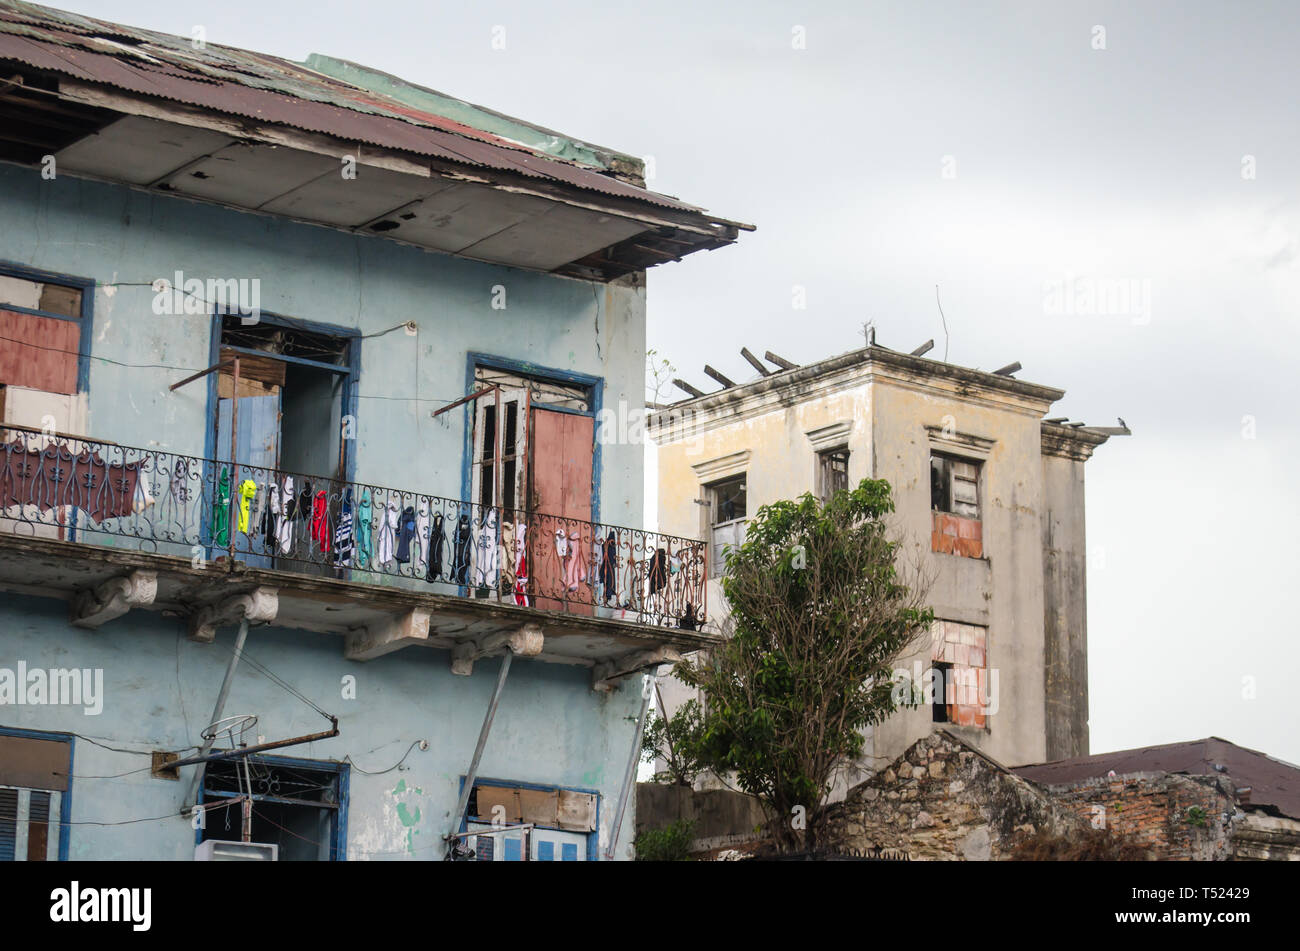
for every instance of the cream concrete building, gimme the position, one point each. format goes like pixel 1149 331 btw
pixel 990 500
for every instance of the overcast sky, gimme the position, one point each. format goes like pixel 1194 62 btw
pixel 994 150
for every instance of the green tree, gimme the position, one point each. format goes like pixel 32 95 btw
pixel 675 740
pixel 819 613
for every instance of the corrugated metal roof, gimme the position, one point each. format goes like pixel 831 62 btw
pixel 1272 782
pixel 273 90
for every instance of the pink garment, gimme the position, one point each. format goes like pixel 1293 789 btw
pixel 521 570
pixel 575 570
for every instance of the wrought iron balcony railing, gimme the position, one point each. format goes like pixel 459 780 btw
pixel 120 496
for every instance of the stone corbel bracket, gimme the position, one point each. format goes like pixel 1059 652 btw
pixel 525 642
pixel 367 643
pixel 258 606
pixel 605 677
pixel 112 598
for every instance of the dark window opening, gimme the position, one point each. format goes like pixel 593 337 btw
pixel 954 486
pixel 728 507
pixel 939 705
pixel 833 472
pixel 295 807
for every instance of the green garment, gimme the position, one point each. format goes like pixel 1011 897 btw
pixel 221 512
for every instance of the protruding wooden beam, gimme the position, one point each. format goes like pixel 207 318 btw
pixel 113 598
pixel 527 641
pixel 728 384
pixel 1007 370
pixel 683 385
pixel 924 348
pixel 782 362
pixel 258 606
pixel 367 643
pixel 754 362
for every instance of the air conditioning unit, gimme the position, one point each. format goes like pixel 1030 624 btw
pixel 220 850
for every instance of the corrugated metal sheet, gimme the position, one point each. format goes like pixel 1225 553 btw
pixel 272 90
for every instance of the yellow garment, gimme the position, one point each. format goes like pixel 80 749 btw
pixel 247 489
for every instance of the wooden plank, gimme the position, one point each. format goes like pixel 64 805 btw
pixel 39 352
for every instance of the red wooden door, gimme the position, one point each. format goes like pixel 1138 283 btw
pixel 560 533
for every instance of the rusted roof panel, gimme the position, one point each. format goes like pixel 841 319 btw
pixel 273 90
pixel 1274 785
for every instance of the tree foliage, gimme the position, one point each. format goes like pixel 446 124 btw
pixel 675 740
pixel 819 613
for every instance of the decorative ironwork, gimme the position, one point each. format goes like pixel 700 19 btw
pixel 166 503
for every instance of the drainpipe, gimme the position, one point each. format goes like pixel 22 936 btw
pixel 629 776
pixel 192 798
pixel 458 817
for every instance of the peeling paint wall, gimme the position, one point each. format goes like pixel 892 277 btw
pixel 129 238
pixel 159 689
pixel 551 727
pixel 883 413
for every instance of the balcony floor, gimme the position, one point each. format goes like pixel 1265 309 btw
pixel 53 568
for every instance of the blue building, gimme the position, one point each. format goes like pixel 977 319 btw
pixel 320 510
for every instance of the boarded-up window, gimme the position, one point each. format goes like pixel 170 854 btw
pixel 39 353
pixel 553 808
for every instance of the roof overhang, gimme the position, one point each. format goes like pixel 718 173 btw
pixel 269 136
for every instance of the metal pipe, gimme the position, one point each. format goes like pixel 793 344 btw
pixel 463 804
pixel 629 776
pixel 220 708
pixel 258 748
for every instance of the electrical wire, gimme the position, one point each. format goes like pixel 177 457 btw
pixel 348 759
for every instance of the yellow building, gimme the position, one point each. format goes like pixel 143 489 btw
pixel 990 502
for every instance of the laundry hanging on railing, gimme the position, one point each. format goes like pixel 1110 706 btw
pixel 460 551
pixel 433 571
pixel 387 540
pixel 247 489
pixel 343 533
pixel 405 533
pixel 320 523
pixel 364 525
pixel 521 567
pixel 56 476
pixel 221 511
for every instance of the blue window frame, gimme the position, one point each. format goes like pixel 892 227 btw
pixel 84 319
pixel 65 795
pixel 275 780
pixel 511 847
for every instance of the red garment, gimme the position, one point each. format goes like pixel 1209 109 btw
pixel 320 529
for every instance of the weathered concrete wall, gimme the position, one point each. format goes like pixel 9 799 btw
pixel 129 238
pixel 1065 607
pixel 1003 590
pixel 722 817
pixel 944 801
pixel 159 689
pixel 883 417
